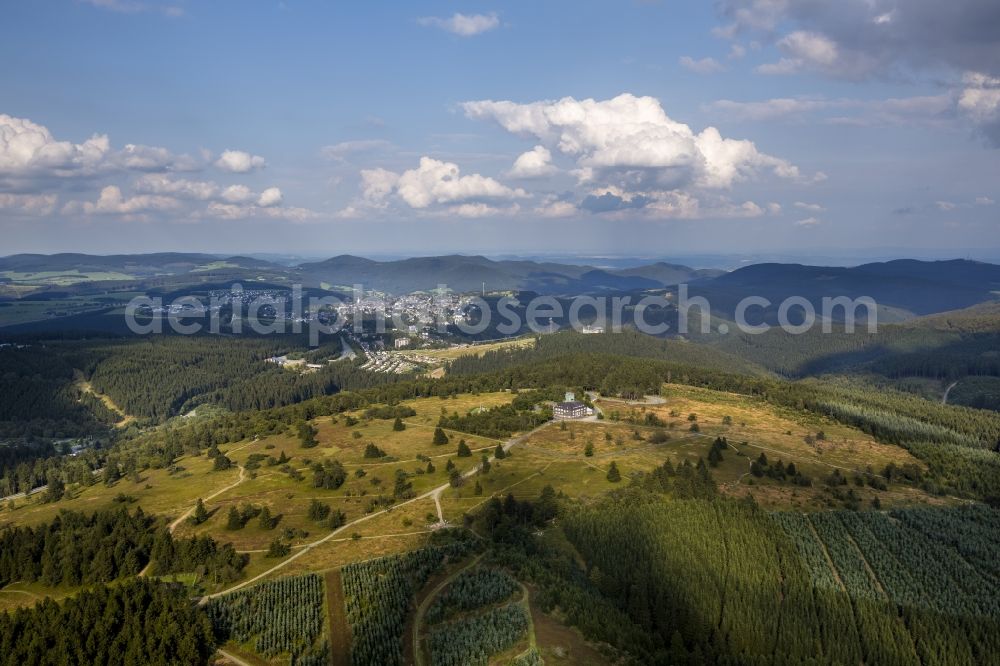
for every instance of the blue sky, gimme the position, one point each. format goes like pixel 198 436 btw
pixel 653 128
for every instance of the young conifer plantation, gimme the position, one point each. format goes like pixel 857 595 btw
pixel 378 594
pixel 276 618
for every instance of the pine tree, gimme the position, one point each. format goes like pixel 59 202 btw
pixel 485 467
pixel 318 510
pixel 463 449
pixel 398 425
pixel 403 488
pixel 266 521
pixel 439 437
pixel 337 519
pixel 614 476
pixel 200 513
pixel 55 490
pixel 430 467
pixel 111 473
pixel 372 451
pixel 499 453
pixel 479 488
pixel 307 435
pixel 277 549
pixel 588 450
pixel 235 519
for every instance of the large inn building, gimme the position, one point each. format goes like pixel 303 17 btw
pixel 571 408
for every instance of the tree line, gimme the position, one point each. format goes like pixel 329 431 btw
pixel 78 549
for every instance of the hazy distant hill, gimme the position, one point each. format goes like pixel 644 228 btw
pixel 907 286
pixel 670 274
pixel 979 318
pixel 468 273
pixel 131 264
pixel 903 288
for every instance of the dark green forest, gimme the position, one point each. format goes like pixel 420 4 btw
pixel 136 622
pixel 663 570
pixel 77 548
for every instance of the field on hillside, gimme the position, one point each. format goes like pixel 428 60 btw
pixel 395 493
pixel 554 455
pixel 63 278
pixel 557 455
pixel 165 492
pixel 288 490
pixel 369 486
pixel 479 349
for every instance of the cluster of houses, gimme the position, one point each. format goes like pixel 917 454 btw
pixel 380 360
pixel 294 363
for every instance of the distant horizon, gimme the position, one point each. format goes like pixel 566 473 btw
pixel 840 257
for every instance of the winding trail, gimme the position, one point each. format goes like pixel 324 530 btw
pixel 430 494
pixel 526 603
pixel 233 658
pixel 86 387
pixel 350 538
pixel 176 523
pixel 24 592
pixel 418 618
pixel 437 504
pixel 944 398
pixel 243 475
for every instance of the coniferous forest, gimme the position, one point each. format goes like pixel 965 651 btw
pixel 664 567
pixel 135 622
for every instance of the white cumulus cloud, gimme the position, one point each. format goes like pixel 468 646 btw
pixel 269 197
pixel 377 185
pixel 238 194
pixel 112 202
pixel 239 161
pixel 32 158
pixel 155 183
pixel 433 182
pixel 464 25
pixel 535 163
pixel 27 147
pixel 631 139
